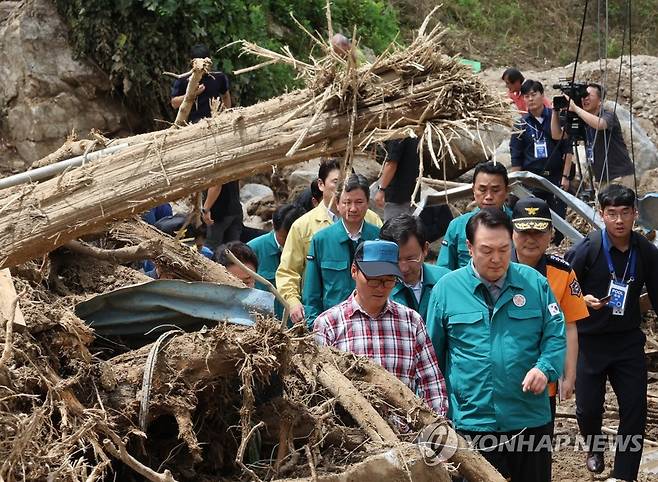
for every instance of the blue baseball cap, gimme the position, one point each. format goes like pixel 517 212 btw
pixel 378 258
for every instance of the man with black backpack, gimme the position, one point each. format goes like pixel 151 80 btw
pixel 613 266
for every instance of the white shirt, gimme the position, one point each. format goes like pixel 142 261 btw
pixel 332 217
pixel 418 287
pixel 353 237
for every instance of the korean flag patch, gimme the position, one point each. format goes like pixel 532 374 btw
pixel 554 309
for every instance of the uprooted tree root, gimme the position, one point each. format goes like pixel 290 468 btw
pixel 233 402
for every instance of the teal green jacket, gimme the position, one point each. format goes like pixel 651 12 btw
pixel 485 353
pixel 269 256
pixel 405 295
pixel 327 279
pixel 454 251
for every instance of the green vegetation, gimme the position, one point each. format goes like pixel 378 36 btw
pixel 541 35
pixel 134 41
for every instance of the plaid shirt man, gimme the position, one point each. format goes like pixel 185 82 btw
pixel 396 339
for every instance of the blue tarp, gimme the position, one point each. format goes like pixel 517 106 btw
pixel 135 310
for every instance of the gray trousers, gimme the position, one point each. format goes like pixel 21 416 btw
pixel 393 210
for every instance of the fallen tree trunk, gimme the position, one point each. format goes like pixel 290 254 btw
pixel 469 462
pixel 177 259
pixel 398 95
pixel 405 462
pixel 191 363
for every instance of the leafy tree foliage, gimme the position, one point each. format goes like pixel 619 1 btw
pixel 134 41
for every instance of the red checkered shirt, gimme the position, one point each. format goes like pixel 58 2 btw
pixel 396 339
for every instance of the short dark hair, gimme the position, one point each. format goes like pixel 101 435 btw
pixel 403 227
pixel 315 190
pixel 199 51
pixel 491 167
pixel 598 88
pixel 489 217
pixel 513 75
pixel 356 181
pixel 326 166
pixel 285 215
pixel 616 195
pixel 532 86
pixel 241 251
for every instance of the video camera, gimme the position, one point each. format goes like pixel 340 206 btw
pixel 577 91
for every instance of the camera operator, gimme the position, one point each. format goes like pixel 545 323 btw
pixel 533 148
pixel 604 143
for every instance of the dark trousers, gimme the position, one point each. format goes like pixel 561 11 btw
pixel 529 461
pixel 618 357
pixel 224 230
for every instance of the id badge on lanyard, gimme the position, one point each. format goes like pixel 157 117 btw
pixel 541 151
pixel 589 153
pixel 618 289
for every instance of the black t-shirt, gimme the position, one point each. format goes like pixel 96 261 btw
pixel 228 202
pixel 589 262
pixel 404 152
pixel 619 162
pixel 216 85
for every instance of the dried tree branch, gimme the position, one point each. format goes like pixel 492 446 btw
pixel 118 450
pixel 199 67
pixel 9 331
pixel 147 249
pixel 243 446
pixel 356 404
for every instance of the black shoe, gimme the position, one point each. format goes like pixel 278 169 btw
pixel 595 462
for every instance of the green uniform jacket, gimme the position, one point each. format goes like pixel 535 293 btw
pixel 327 279
pixel 269 256
pixel 485 353
pixel 454 252
pixel 405 295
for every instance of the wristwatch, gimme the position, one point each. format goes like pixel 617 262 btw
pixel 204 210
pixel 380 188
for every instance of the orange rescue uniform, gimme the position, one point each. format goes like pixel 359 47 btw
pixel 567 292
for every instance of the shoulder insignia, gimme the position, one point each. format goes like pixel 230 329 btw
pixel 558 262
pixel 574 287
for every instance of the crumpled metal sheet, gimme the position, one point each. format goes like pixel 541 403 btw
pixel 648 210
pixel 137 309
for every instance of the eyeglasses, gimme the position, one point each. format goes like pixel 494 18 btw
pixel 623 215
pixel 408 261
pixel 377 282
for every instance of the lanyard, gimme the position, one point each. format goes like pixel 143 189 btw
pixel 537 132
pixel 630 262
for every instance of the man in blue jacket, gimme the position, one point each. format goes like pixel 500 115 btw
pixel 327 279
pixel 418 277
pixel 499 337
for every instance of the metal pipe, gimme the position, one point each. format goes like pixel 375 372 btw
pixel 51 170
